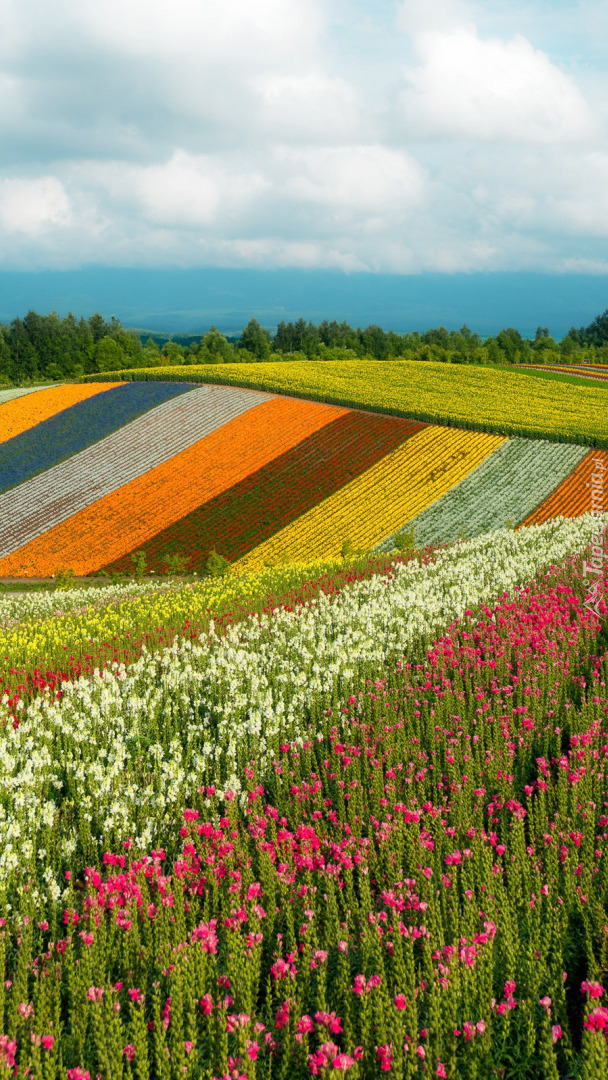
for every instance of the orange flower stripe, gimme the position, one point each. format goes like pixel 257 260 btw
pixel 25 412
pixel 126 518
pixel 573 496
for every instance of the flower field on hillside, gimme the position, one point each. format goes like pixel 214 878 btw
pixel 242 436
pixel 482 399
pixel 178 470
pixel 21 412
pixel 502 490
pixel 375 504
pixel 77 427
pixel 361 838
pixel 135 449
pixel 47 639
pixel 245 515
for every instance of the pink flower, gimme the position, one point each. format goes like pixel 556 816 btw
pixel 330 1021
pixel 343 1061
pixel 421 1052
pixel 282 1015
pixel 129 1051
pixel 95 993
pixel 206 1004
pixel 546 1004
pixel 400 1001
pixel 136 995
pixel 592 988
pixel 252 1049
pixel 188 1047
pixel 440 1070
pixel 78 1074
pixel 8 1049
pixel 597 1019
pixel 48 1042
pixel 556 1032
pixel 304 1026
pixel 384 1054
pixel 358 986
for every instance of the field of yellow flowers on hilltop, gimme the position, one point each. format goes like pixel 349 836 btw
pixel 486 399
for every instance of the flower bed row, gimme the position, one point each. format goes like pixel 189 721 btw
pixel 77 427
pixel 9 393
pixel 245 515
pixel 469 396
pixel 573 496
pixel 502 490
pixel 413 886
pixel 119 628
pixel 119 755
pixel 131 514
pixel 375 504
pixel 24 411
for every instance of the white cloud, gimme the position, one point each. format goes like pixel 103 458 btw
pixel 357 135
pixel 361 179
pixel 491 89
pixel 308 106
pixel 230 30
pixel 420 16
pixel 32 206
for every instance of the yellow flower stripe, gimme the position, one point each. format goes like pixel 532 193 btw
pixel 382 499
pixel 471 396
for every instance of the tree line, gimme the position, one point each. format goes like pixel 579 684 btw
pixel 50 348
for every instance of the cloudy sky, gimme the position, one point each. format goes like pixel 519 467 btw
pixel 402 137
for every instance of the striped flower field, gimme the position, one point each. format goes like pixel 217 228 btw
pixel 343 818
pixel 92 474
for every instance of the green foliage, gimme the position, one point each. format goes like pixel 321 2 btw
pixel 140 561
pixel 109 356
pixel 256 339
pixel 176 563
pixel 216 565
pixel 46 347
pixel 64 578
pixel 404 541
pixel 215 349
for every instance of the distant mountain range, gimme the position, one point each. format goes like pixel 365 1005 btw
pixel 178 301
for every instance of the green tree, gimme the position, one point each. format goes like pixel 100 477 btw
pixel 510 342
pixel 215 349
pixel 25 357
pixel 109 355
pixel 6 360
pixel 151 354
pixel 256 340
pixel 98 327
pixel 172 353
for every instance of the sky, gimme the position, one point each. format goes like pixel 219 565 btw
pixel 410 137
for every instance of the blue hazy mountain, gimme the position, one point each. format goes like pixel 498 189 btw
pixel 189 301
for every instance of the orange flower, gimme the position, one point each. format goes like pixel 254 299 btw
pixel 126 518
pixel 573 496
pixel 25 412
